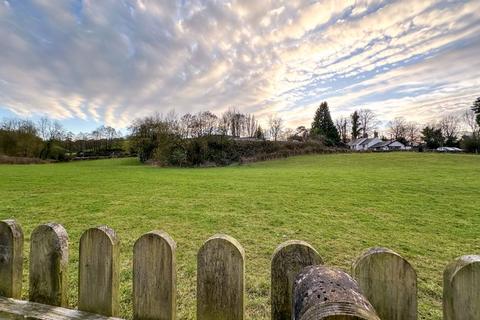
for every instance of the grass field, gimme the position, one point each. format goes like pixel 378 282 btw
pixel 424 206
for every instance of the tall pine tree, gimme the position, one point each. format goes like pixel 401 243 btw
pixel 355 125
pixel 322 125
pixel 476 109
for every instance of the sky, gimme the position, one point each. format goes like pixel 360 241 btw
pixel 91 62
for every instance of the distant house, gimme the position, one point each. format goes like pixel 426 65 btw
pixel 364 144
pixel 388 146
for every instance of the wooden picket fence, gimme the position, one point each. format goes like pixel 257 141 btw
pixel 382 285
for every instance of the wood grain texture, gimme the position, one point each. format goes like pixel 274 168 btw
pixel 12 309
pixel 11 259
pixel 98 288
pixel 288 260
pixel 389 282
pixel 154 277
pixel 461 289
pixel 48 272
pixel 220 279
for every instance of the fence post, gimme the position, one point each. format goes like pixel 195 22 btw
pixel 461 289
pixel 220 279
pixel 11 259
pixel 326 293
pixel 154 277
pixel 287 261
pixel 99 272
pixel 48 274
pixel 389 282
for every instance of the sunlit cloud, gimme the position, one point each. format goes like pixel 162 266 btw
pixel 113 61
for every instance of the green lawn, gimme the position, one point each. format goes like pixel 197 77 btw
pixel 424 206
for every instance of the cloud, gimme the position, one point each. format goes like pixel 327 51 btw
pixel 112 61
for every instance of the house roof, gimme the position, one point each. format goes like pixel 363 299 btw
pixel 367 141
pixel 381 144
pixel 356 141
pixel 385 144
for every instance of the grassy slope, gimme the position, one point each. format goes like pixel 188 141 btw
pixel 424 206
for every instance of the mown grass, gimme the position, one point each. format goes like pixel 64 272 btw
pixel 424 206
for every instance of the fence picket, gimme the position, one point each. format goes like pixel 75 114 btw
pixel 99 272
pixel 154 277
pixel 48 272
pixel 461 289
pixel 11 259
pixel 389 282
pixel 288 260
pixel 220 279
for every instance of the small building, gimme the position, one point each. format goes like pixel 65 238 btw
pixel 363 144
pixel 388 146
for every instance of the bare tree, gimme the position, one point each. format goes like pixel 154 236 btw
pixel 412 132
pixel 250 125
pixel 342 127
pixel 368 121
pixel 301 134
pixel 275 125
pixel 287 134
pixel 43 126
pixel 233 122
pixel 397 128
pixel 450 126
pixel 470 122
pixel 209 122
pixel 186 122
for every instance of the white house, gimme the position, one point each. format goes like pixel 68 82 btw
pixel 363 143
pixel 389 145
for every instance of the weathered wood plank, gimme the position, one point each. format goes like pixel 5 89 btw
pixel 288 260
pixel 220 279
pixel 99 272
pixel 326 293
pixel 13 309
pixel 461 289
pixel 154 277
pixel 389 282
pixel 48 274
pixel 11 259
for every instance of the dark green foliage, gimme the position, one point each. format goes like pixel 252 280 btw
pixel 323 125
pixel 355 125
pixel 259 134
pixel 476 109
pixel 432 137
pixel 471 143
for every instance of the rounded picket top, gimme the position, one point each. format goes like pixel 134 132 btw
pixel 288 259
pixel 461 293
pixel 220 279
pixel 98 288
pixel 154 277
pixel 322 292
pixel 48 274
pixel 11 259
pixel 389 282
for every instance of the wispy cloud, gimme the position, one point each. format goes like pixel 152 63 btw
pixel 112 61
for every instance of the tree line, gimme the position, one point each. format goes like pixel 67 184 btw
pixel 204 137
pixel 48 139
pixel 452 130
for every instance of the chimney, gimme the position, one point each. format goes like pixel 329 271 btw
pixel 375 134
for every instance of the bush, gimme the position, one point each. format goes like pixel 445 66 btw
pixel 471 143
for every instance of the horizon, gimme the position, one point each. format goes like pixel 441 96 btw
pixel 86 63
